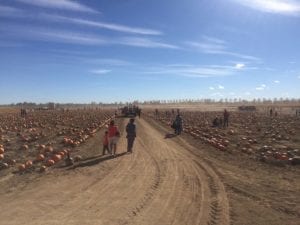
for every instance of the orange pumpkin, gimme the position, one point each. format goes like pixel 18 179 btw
pixel 42 147
pixel 5 165
pixel 40 157
pixel 22 167
pixel 56 157
pixel 24 147
pixel 1 156
pixel 28 164
pixel 48 149
pixel 62 153
pixel 50 162
pixel 43 168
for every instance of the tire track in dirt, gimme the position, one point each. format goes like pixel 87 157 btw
pixel 219 210
pixel 148 196
pixel 260 200
pixel 208 193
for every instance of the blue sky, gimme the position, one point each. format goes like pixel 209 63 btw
pixel 125 50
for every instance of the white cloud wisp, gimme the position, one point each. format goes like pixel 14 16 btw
pixel 103 25
pixel 210 45
pixel 284 7
pixel 60 4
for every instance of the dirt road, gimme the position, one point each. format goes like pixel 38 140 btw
pixel 165 181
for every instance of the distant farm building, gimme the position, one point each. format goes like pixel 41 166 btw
pixel 249 108
pixel 51 106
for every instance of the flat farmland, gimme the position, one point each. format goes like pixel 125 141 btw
pixel 247 173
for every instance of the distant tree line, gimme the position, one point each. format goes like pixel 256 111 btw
pixel 227 101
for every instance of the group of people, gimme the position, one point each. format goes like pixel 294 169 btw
pixel 112 136
pixel 271 112
pixel 219 122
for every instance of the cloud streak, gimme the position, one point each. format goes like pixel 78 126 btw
pixel 195 71
pixel 60 4
pixel 100 71
pixel 102 25
pixel 284 7
pixel 261 87
pixel 216 46
pixel 109 62
pixel 64 37
pixel 70 37
pixel 144 42
pixel 9 11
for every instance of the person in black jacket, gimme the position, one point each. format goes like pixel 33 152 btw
pixel 131 134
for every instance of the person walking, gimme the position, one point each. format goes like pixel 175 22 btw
pixel 178 124
pixel 113 137
pixel 105 143
pixel 226 118
pixel 271 112
pixel 131 134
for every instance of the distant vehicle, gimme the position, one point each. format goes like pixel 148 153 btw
pixel 130 111
pixel 249 108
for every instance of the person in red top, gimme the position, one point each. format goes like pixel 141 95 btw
pixel 105 143
pixel 113 137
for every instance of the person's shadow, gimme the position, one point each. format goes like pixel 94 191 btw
pixel 170 135
pixel 91 161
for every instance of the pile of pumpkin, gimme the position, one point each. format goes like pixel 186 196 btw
pixel 21 136
pixel 246 133
pixel 46 157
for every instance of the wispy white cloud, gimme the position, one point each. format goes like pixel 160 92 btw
pixel 261 87
pixel 100 71
pixel 276 81
pixel 210 45
pixel 10 11
pixel 285 7
pixel 220 87
pixel 109 62
pixel 102 25
pixel 213 40
pixel 70 37
pixel 144 42
pixel 247 93
pixel 299 77
pixel 239 65
pixel 193 71
pixel 217 94
pixel 60 4
pixel 6 11
pixel 64 37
